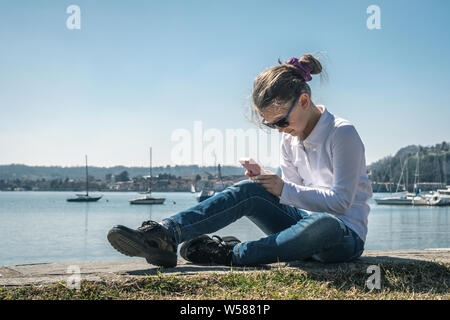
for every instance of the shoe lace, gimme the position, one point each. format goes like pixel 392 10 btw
pixel 221 247
pixel 219 241
pixel 149 223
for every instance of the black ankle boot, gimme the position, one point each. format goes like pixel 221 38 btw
pixel 204 249
pixel 150 241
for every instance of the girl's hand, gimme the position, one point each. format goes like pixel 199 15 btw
pixel 248 174
pixel 271 182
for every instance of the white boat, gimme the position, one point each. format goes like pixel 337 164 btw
pixel 148 199
pixel 404 199
pixel 441 197
pixel 444 192
pixel 408 199
pixel 208 192
pixel 85 197
pixel 205 194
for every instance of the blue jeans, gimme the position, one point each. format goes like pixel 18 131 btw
pixel 292 234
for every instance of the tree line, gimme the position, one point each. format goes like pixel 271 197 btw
pixel 418 163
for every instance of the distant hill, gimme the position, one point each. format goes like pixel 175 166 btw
pixel 434 165
pixel 20 171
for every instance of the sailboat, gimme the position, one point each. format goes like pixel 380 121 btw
pixel 148 199
pixel 441 197
pixel 205 194
pixel 415 199
pixel 85 197
pixel 208 193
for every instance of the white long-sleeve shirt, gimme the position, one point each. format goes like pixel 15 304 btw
pixel 326 172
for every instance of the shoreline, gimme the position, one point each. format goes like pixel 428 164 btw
pixel 402 275
pixel 51 272
pixel 132 191
pixel 112 191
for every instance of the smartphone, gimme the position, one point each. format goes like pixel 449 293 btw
pixel 251 165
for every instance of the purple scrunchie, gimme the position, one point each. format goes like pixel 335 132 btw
pixel 306 72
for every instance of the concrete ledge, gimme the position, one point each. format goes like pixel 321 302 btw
pixel 119 270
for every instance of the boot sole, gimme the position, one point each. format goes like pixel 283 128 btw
pixel 121 242
pixel 201 238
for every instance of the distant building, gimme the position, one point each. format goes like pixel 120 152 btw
pixel 124 185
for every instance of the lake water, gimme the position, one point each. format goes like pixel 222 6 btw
pixel 43 227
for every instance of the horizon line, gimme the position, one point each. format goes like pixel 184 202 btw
pixel 120 165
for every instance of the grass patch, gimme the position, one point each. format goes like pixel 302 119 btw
pixel 424 280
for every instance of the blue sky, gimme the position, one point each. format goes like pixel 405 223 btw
pixel 138 70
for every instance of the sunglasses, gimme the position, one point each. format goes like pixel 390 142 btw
pixel 283 122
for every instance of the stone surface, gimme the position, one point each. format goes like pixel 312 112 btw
pixel 117 270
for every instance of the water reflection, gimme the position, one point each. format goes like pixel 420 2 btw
pixel 407 227
pixel 86 216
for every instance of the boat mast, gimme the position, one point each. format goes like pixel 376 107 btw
pixel 416 175
pixel 407 174
pixel 220 174
pixel 87 183
pixel 444 168
pixel 401 175
pixel 390 174
pixel 150 183
pixel 437 167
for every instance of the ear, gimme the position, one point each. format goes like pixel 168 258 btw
pixel 304 101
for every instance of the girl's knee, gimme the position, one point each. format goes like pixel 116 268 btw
pixel 244 183
pixel 324 221
pixel 249 187
pixel 319 230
